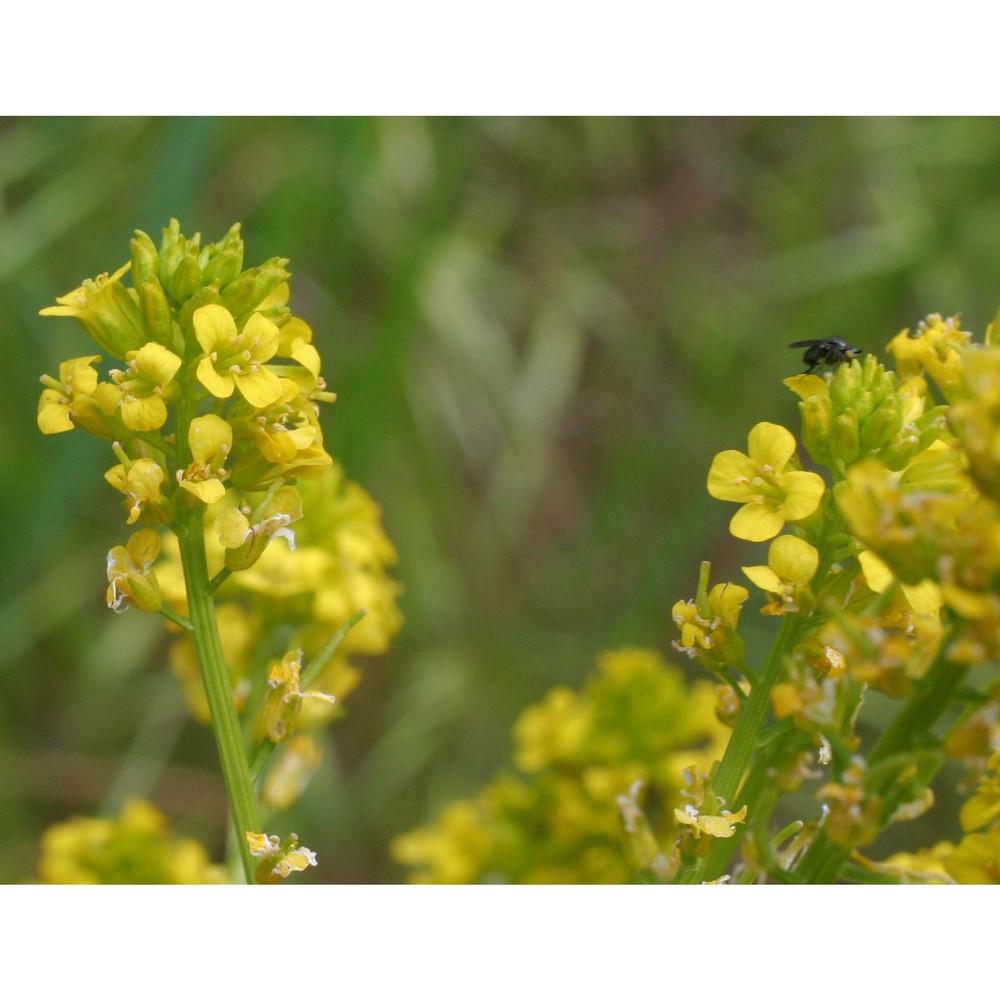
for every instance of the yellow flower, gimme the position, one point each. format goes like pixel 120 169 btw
pixel 937 347
pixel 553 731
pixel 141 484
pixel 792 563
pixel 107 310
pixel 770 495
pixel 130 576
pixel 712 636
pixel 284 700
pixel 136 848
pixel 976 859
pixel 924 597
pixel 244 534
pixel 723 825
pixel 280 858
pixel 149 375
pixel 236 360
pixel 984 807
pixel 77 378
pixel 211 440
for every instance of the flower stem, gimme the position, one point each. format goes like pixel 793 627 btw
pixel 215 677
pixel 744 741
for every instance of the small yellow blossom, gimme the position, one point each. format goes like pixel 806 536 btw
pixel 709 632
pixel 279 858
pixel 235 360
pixel 792 563
pixel 936 347
pixel 284 700
pixel 107 310
pixel 245 533
pixel 130 576
pixel 143 385
pixel 771 493
pixel 211 439
pixel 141 483
pixel 723 825
pixel 77 378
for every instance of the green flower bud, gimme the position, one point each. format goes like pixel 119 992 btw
pixel 223 261
pixel 239 293
pixel 246 293
pixel 224 267
pixel 845 442
pixel 880 427
pixel 156 312
pixel 845 386
pixel 186 279
pixel 817 419
pixel 172 247
pixel 145 259
pixel 897 454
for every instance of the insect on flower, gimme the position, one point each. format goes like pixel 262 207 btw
pixel 831 351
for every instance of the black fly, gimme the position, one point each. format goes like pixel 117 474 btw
pixel 832 351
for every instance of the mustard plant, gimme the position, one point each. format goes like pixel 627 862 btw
pixel 269 568
pixel 882 577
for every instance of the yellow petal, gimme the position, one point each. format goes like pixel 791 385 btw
pixel 260 389
pixel 756 523
pixel 220 386
pixel 214 327
pixel 771 445
pixel 207 490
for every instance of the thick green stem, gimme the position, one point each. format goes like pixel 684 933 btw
pixel 215 677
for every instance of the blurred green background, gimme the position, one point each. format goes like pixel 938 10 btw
pixel 540 332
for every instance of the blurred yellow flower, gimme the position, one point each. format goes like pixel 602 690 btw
pixel 137 848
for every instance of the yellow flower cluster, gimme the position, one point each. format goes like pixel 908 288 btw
pixel 590 766
pixel 888 568
pixel 212 415
pixel 136 848
pixel 298 597
pixel 220 388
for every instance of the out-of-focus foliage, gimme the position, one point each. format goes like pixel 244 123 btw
pixel 540 331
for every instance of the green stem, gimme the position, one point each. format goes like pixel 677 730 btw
pixel 742 744
pixel 215 677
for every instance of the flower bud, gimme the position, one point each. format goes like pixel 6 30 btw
pixel 186 279
pixel 881 426
pixel 845 441
pixel 252 287
pixel 817 419
pixel 145 259
pixel 224 260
